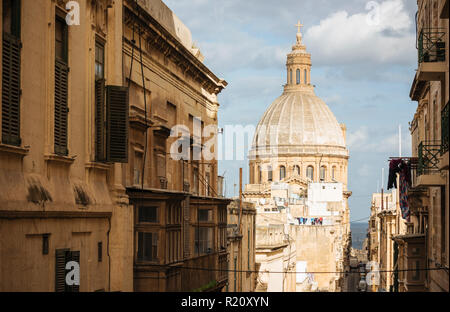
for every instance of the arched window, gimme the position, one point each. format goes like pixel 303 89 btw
pixel 269 173
pixel 296 170
pixel 259 175
pixel 323 173
pixel 310 173
pixel 282 172
pixel 298 76
pixel 290 76
pixel 333 173
pixel 305 79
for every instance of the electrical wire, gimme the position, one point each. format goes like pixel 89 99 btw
pixel 295 272
pixel 145 96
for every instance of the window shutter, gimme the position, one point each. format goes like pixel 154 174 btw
pixel 100 131
pixel 60 270
pixel 61 109
pixel 117 124
pixel 11 90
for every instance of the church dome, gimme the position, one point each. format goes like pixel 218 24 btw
pixel 298 122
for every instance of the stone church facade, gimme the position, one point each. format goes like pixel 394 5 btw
pixel 297 161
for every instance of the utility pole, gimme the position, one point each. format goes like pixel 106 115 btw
pixel 240 199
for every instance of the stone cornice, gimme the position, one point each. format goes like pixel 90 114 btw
pixel 156 35
pixel 167 76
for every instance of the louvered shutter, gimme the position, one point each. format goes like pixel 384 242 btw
pixel 60 270
pixel 61 109
pixel 73 256
pixel 11 90
pixel 100 131
pixel 117 124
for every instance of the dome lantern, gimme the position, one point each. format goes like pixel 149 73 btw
pixel 298 64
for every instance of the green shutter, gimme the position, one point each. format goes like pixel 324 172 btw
pixel 11 90
pixel 100 131
pixel 61 108
pixel 117 124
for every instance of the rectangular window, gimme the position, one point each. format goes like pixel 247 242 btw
pixel 11 61
pixel 147 246
pixel 148 214
pixel 195 180
pixel 63 257
pixel 248 250
pixel 208 184
pixel 137 168
pixel 100 251
pixel 45 244
pixel 61 86
pixel 99 60
pixel 11 17
pixel 100 117
pixel 203 240
pixel 205 215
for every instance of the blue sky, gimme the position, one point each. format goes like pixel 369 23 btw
pixel 363 63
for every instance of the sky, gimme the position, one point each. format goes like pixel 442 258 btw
pixel 363 63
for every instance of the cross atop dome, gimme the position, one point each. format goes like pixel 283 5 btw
pixel 299 26
pixel 299 34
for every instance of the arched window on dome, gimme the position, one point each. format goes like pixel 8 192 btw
pixel 298 76
pixel 333 173
pixel 282 172
pixel 290 76
pixel 269 173
pixel 310 173
pixel 323 173
pixel 296 170
pixel 305 79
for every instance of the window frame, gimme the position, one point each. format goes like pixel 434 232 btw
pixel 140 252
pixel 282 172
pixel 310 169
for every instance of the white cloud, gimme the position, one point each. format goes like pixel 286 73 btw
pixel 342 38
pixel 377 141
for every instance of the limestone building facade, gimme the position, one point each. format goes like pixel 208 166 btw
pixel 299 150
pixel 58 202
pixel 426 243
pixel 241 233
pixel 179 218
pixel 385 223
pixel 86 175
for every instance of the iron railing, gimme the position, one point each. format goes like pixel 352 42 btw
pixel 431 45
pixel 444 129
pixel 428 160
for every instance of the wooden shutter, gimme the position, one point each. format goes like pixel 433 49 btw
pixel 100 130
pixel 117 124
pixel 61 109
pixel 60 270
pixel 11 90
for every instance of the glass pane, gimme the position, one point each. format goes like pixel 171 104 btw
pixel 148 214
pixel 7 16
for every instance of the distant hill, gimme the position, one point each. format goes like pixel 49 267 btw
pixel 359 233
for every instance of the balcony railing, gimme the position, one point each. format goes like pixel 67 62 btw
pixel 444 129
pixel 428 160
pixel 431 45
